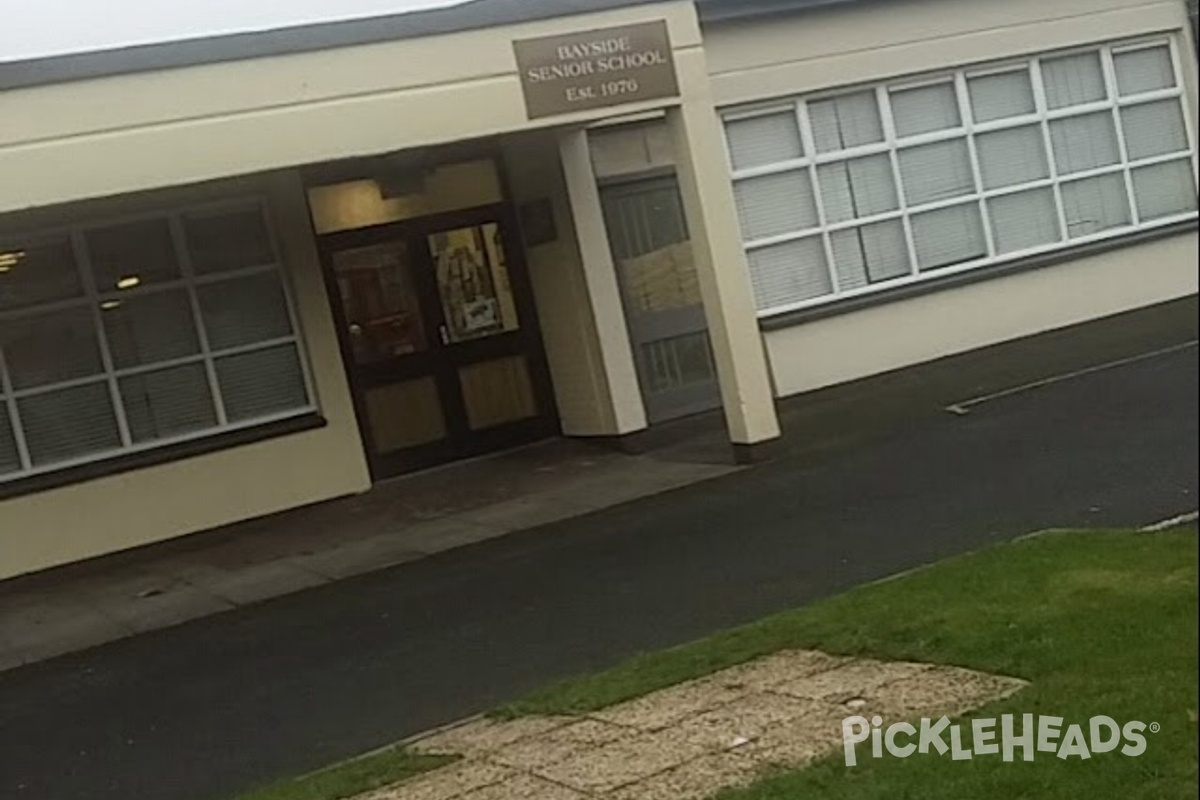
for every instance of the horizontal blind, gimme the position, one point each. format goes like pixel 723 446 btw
pixel 948 236
pixel 1012 156
pixel 1002 95
pixel 1166 189
pixel 69 423
pixel 775 204
pixel 1096 204
pixel 261 382
pixel 766 139
pixel 1154 129
pixel 925 109
pixel 1024 219
pixel 168 402
pixel 1146 69
pixel 934 172
pixel 789 272
pixel 1084 142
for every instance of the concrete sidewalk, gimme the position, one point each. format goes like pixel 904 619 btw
pixel 399 521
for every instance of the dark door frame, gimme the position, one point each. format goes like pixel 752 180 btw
pixel 442 361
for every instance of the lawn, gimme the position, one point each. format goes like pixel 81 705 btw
pixel 1101 623
pixel 373 771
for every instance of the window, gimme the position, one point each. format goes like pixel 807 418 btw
pixel 119 337
pixel 876 187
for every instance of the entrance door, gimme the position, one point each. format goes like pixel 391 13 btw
pixel 438 332
pixel 649 239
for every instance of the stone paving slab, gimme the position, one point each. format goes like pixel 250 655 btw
pixel 689 741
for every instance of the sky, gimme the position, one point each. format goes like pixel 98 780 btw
pixel 34 28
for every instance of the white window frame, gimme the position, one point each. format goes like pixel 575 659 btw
pixel 892 144
pixel 91 297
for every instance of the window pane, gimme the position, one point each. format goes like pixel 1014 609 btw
pixel 851 120
pixel 1086 142
pixel 1145 70
pixel 1005 94
pixel 51 348
pixel 37 270
pixel 1073 80
pixel 676 362
pixel 925 109
pixel 69 423
pixel 1095 204
pixel 1164 189
pixel 170 402
pixel 788 273
pixel 1154 129
pixel 1012 156
pixel 769 139
pixel 262 382
pixel 224 240
pixel 870 254
pixel 149 328
pixel 949 236
pixel 244 311
pixel 775 204
pixel 380 301
pixel 858 188
pixel 132 254
pixel 935 172
pixel 1024 220
pixel 10 459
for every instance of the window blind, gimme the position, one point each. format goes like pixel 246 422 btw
pixel 119 336
pixel 988 164
pixel 1001 95
pixel 925 109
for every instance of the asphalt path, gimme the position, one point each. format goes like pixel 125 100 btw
pixel 210 708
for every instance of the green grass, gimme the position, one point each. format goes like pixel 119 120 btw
pixel 1099 622
pixel 352 777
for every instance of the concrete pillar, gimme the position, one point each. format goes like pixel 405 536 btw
pixel 703 170
pixel 600 275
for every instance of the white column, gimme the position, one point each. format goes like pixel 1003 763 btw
pixel 600 275
pixel 703 169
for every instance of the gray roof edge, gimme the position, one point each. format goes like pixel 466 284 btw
pixel 472 15
pixel 730 10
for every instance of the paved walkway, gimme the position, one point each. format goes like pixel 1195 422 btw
pixel 399 521
pixel 689 741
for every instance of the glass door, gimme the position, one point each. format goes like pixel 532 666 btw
pixel 439 334
pixel 667 327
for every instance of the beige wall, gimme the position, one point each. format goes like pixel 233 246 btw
pixel 630 149
pixel 157 503
pixel 886 337
pixel 847 44
pixel 564 308
pixel 127 133
pixel 838 46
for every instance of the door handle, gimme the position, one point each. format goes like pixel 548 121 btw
pixel 444 334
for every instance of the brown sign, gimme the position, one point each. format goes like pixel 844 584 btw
pixel 596 69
